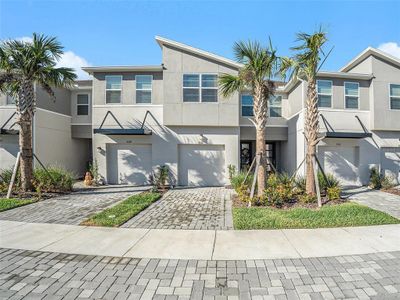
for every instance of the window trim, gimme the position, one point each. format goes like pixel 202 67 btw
pixel 323 94
pixel 200 87
pixel 120 90
pixel 151 89
pixel 358 95
pixel 390 97
pixel 88 104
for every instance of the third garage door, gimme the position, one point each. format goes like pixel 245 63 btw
pixel 201 165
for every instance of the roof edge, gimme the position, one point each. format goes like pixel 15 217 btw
pixel 91 70
pixel 164 41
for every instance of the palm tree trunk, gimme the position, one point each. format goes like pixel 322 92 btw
pixel 25 146
pixel 260 150
pixel 311 133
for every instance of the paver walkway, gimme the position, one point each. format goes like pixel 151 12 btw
pixel 379 200
pixel 205 208
pixel 71 208
pixel 43 275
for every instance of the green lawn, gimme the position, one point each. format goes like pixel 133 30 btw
pixel 347 214
pixel 6 204
pixel 122 212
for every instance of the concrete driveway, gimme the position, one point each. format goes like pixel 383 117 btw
pixel 71 208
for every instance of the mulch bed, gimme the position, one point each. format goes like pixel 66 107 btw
pixel 393 191
pixel 236 202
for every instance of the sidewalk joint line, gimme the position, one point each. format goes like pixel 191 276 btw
pixel 137 242
pixel 287 238
pixel 215 240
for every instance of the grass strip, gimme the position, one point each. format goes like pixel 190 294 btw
pixel 6 204
pixel 347 214
pixel 123 211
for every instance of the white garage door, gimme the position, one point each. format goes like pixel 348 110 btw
pixel 129 164
pixel 342 162
pixel 390 159
pixel 8 151
pixel 201 165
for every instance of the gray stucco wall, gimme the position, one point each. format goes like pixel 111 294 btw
pixel 61 104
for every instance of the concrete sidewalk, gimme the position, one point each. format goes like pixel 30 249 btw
pixel 199 244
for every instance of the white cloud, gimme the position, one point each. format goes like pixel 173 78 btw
pixel 71 60
pixel 68 59
pixel 391 47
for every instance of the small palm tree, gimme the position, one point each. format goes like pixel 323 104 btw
pixel 22 66
pixel 305 65
pixel 259 68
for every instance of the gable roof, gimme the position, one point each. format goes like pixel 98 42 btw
pixel 164 41
pixel 368 52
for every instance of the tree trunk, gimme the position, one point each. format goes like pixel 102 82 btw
pixel 260 150
pixel 25 146
pixel 25 109
pixel 311 134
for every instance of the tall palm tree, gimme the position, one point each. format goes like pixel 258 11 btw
pixel 259 68
pixel 305 65
pixel 22 66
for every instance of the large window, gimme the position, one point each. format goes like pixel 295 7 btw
pixel 324 89
pixel 113 88
pixel 274 106
pixel 351 95
pixel 82 104
pixel 394 96
pixel 200 88
pixel 143 88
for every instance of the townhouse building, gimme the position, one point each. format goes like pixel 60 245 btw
pixel 132 119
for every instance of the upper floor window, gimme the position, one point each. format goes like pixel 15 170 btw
pixel 82 104
pixel 324 89
pixel 10 100
pixel 274 106
pixel 200 88
pixel 113 88
pixel 143 88
pixel 351 95
pixel 394 96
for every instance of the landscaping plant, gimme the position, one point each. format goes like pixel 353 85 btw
pixel 378 181
pixel 161 177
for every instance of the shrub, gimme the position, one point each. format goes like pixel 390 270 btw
pixel 300 184
pixel 55 180
pixel 94 171
pixel 279 189
pixel 306 198
pixel 330 181
pixel 237 181
pixel 387 182
pixel 5 178
pixel 378 181
pixel 231 171
pixel 161 177
pixel 333 193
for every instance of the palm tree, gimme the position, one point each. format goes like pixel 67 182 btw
pixel 259 66
pixel 23 65
pixel 305 65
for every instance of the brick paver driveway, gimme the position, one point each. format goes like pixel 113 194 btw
pixel 72 208
pixel 42 275
pixel 188 208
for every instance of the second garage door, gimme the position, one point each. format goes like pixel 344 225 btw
pixel 129 164
pixel 201 165
pixel 390 158
pixel 342 162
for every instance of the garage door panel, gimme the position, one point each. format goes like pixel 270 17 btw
pixel 201 165
pixel 390 162
pixel 129 164
pixel 8 151
pixel 342 162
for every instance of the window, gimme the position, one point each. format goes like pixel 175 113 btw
pixel 82 102
pixel 113 88
pixel 275 106
pixel 143 88
pixel 200 88
pixel 394 96
pixel 351 94
pixel 324 89
pixel 247 105
pixel 10 100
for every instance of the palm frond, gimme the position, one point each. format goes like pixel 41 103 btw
pixel 229 84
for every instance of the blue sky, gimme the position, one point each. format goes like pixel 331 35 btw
pixel 122 32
